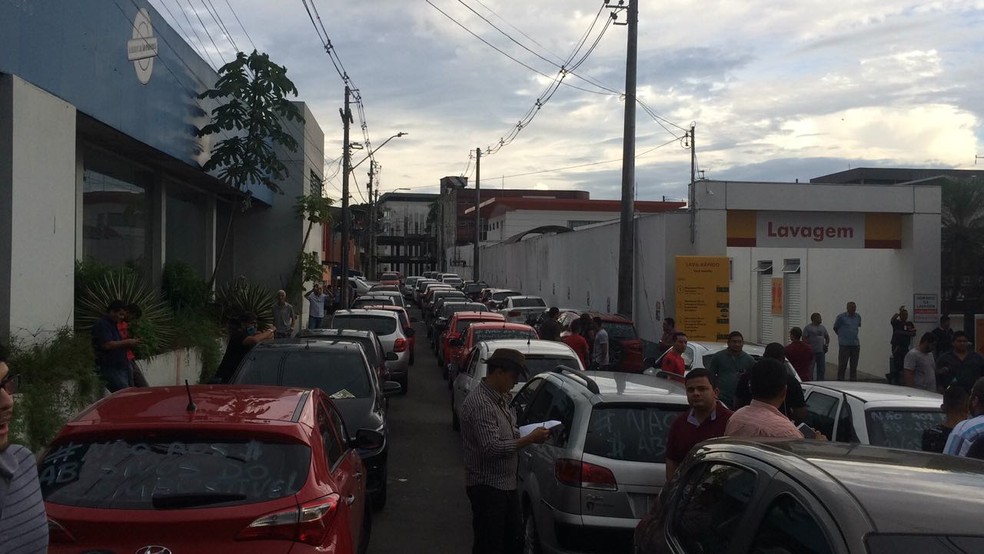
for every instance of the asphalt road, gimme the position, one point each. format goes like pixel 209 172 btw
pixel 426 510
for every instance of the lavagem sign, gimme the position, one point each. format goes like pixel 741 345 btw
pixel 810 230
pixel 817 233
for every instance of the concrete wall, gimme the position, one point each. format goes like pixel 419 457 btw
pixel 37 209
pixel 172 368
pixel 514 222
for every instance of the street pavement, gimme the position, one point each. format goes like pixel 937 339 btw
pixel 426 510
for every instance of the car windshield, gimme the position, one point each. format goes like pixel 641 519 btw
pixel 620 331
pixel 380 325
pixel 900 428
pixel 464 323
pixel 500 296
pixel 374 301
pixel 635 433
pixel 528 303
pixel 390 277
pixel 499 334
pixel 542 364
pixel 340 373
pixel 182 470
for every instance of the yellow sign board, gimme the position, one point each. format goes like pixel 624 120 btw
pixel 703 297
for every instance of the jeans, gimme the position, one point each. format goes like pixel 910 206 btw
pixel 847 354
pixel 116 378
pixel 314 322
pixel 496 520
pixel 820 365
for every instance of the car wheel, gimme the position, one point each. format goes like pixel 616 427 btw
pixel 366 530
pixel 379 496
pixel 455 422
pixel 531 539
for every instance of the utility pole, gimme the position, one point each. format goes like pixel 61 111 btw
pixel 478 214
pixel 692 200
pixel 626 250
pixel 346 216
pixel 371 258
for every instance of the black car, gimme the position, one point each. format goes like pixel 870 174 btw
pixel 343 372
pixel 447 309
pixel 368 339
pixel 804 496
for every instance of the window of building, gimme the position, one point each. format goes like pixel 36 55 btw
pixel 116 213
pixel 185 227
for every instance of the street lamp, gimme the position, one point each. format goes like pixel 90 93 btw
pixel 372 202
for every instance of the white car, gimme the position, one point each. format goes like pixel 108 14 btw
pixel 388 327
pixel 699 354
pixel 541 355
pixel 877 414
pixel 518 309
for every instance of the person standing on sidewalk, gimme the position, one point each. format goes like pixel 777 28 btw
pixel 316 306
pixel 902 332
pixel 800 354
pixel 847 326
pixel 283 317
pixel 815 334
pixel 111 362
pixel 491 445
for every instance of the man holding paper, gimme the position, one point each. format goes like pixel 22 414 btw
pixel 491 444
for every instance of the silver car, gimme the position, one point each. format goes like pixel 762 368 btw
pixel 541 355
pixel 520 309
pixel 878 414
pixel 387 326
pixel 601 471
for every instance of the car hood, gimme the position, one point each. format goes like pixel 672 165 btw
pixel 358 414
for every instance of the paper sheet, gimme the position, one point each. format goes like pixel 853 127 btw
pixel 527 429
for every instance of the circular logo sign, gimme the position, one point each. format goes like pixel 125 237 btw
pixel 142 48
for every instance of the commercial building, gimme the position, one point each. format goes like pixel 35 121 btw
pixel 99 159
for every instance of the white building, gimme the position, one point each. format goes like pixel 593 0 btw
pixel 876 245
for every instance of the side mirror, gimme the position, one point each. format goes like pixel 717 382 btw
pixel 368 439
pixel 391 387
pixel 411 332
pixel 391 357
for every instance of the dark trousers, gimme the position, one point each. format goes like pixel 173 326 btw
pixel 496 520
pixel 845 355
pixel 116 378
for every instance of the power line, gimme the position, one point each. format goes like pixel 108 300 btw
pixel 197 36
pixel 234 14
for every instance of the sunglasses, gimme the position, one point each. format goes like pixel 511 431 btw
pixel 9 383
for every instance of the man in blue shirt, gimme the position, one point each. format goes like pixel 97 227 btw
pixel 111 362
pixel 847 326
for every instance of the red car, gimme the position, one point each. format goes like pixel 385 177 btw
pixel 459 322
pixel 624 345
pixel 207 468
pixel 483 331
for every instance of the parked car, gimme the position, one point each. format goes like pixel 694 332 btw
pixel 878 414
pixel 407 323
pixel 445 277
pixel 436 297
pixel 624 344
pixel 586 488
pixel 477 332
pixel 343 372
pixel 429 290
pixel 367 339
pixel 359 285
pixel 497 296
pixel 208 468
pixel 541 355
pixel 387 326
pixel 520 309
pixel 408 285
pixel 473 289
pixel 372 299
pixel 446 312
pixel 457 324
pixel 390 276
pixel 420 288
pixel 733 495
pixel 699 354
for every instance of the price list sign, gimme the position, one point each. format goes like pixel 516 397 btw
pixel 703 297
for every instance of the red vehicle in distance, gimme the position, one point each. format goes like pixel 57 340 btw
pixel 483 331
pixel 208 468
pixel 456 326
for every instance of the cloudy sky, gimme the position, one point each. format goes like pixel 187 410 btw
pixel 778 91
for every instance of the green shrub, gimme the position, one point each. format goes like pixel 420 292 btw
pixel 240 296
pixel 183 289
pixel 57 381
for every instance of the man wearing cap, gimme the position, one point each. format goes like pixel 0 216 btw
pixel 491 442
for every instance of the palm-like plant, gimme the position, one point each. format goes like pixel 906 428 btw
pixel 154 327
pixel 962 238
pixel 239 297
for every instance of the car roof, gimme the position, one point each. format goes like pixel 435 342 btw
pixel 503 324
pixel 291 345
pixel 319 332
pixel 157 406
pixel 486 316
pixel 368 312
pixel 532 347
pixel 875 393
pixel 899 489
pixel 635 387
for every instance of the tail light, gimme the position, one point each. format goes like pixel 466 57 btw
pixel 57 534
pixel 400 345
pixel 309 523
pixel 580 474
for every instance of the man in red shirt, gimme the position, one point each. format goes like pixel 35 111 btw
pixel 800 354
pixel 673 360
pixel 577 342
pixel 706 419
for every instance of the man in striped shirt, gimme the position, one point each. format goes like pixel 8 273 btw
pixel 491 442
pixel 23 524
pixel 969 431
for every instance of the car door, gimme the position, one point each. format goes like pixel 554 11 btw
pixel 789 518
pixel 346 468
pixel 468 378
pixel 823 408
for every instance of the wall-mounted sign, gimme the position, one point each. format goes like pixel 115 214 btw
pixel 814 229
pixel 141 49
pixel 925 308
pixel 703 297
pixel 777 296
